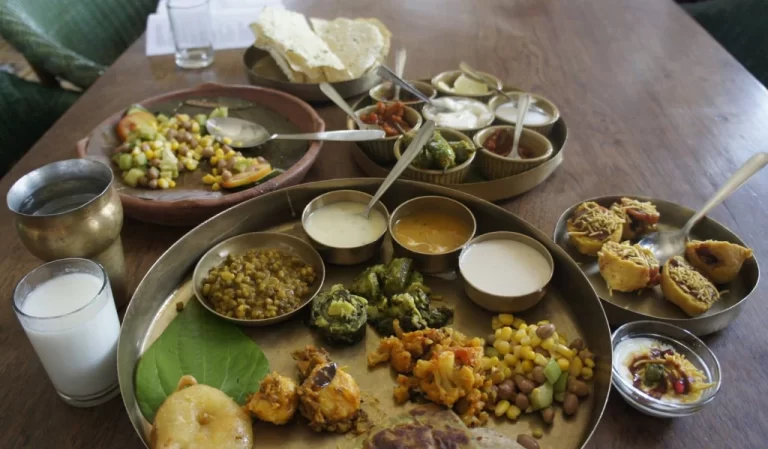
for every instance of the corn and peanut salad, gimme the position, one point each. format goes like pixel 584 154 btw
pixel 157 148
pixel 532 366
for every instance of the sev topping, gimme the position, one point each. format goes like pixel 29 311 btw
pixel 641 210
pixel 691 281
pixel 633 253
pixel 593 220
pixel 672 376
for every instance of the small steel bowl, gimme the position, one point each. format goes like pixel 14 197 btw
pixel 506 304
pixel 384 92
pixel 549 107
pixel 450 77
pixel 495 166
pixel 258 240
pixel 429 113
pixel 684 343
pixel 426 262
pixel 344 256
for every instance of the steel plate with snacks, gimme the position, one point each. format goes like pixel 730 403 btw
pixel 165 300
pixel 650 303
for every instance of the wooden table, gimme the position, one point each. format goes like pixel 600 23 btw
pixel 654 105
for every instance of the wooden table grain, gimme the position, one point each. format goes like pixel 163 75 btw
pixel 655 107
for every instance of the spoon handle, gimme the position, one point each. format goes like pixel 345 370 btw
pixel 337 136
pixel 400 58
pixel 746 171
pixel 334 96
pixel 389 75
pixel 522 108
pixel 418 142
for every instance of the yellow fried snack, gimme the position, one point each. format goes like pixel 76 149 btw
pixel 197 416
pixel 276 401
pixel 627 267
pixel 639 217
pixel 591 226
pixel 687 288
pixel 719 261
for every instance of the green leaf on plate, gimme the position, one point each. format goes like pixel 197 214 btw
pixel 197 343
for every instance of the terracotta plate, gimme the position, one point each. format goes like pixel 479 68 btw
pixel 191 201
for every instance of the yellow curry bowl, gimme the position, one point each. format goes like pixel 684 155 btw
pixel 384 93
pixel 449 77
pixel 454 175
pixel 494 166
pixel 380 150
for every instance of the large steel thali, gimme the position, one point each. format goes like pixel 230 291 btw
pixel 570 303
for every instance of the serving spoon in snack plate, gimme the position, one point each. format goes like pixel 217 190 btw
pixel 245 134
pixel 475 76
pixel 667 244
pixel 418 142
pixel 334 96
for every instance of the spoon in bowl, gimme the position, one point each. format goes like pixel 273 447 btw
pixel 400 58
pixel 337 99
pixel 667 244
pixel 245 134
pixel 389 75
pixel 475 76
pixel 522 109
pixel 418 142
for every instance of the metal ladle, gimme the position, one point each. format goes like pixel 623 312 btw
pixel 418 142
pixel 245 134
pixel 667 244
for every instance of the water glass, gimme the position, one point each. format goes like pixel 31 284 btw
pixel 192 32
pixel 67 310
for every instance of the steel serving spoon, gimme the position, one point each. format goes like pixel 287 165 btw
pixel 667 244
pixel 245 134
pixel 389 75
pixel 413 149
pixel 337 99
pixel 400 58
pixel 475 76
pixel 522 109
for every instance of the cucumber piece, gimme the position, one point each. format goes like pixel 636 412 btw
pixel 541 396
pixel 140 160
pixel 552 371
pixel 136 108
pixel 561 383
pixel 131 177
pixel 125 161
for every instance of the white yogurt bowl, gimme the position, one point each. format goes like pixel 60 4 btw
pixel 505 272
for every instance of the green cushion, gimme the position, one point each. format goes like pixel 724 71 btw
pixel 27 110
pixel 741 26
pixel 73 39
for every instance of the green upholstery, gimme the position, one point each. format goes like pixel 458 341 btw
pixel 741 26
pixel 75 40
pixel 27 110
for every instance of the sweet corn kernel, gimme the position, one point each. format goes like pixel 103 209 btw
pixel 537 433
pixel 506 333
pixel 526 341
pixel 156 145
pixel 516 350
pixel 495 361
pixel 219 152
pixel 174 145
pixel 502 407
pixel 548 344
pixel 486 362
pixel 523 326
pixel 507 372
pixel 214 160
pixel 183 117
pixel 510 360
pixel 190 165
pixel 229 155
pixel 589 363
pixel 531 330
pixel 219 179
pixel 562 339
pixel 495 323
pixel 513 412
pixel 197 156
pixel 519 335
pixel 519 368
pixel 497 334
pixel 149 154
pixel 208 179
pixel 226 140
pixel 535 341
pixel 517 322
pixel 527 353
pixel 564 351
pixel 497 376
pixel 136 151
pixel 162 183
pixel 215 171
pixel 171 183
pixel 195 127
pixel 527 366
pixel 564 364
pixel 543 322
pixel 575 368
pixel 506 319
pixel 540 360
pixel 490 351
pixel 502 346
pixel 215 187
pixel 586 373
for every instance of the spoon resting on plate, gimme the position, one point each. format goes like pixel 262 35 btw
pixel 337 99
pixel 245 134
pixel 413 149
pixel 667 244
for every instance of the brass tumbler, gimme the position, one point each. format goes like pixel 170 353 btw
pixel 71 209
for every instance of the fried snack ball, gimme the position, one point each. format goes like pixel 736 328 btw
pixel 591 226
pixel 719 261
pixel 276 401
pixel 687 288
pixel 197 416
pixel 626 267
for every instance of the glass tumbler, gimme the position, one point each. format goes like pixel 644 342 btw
pixel 66 309
pixel 192 30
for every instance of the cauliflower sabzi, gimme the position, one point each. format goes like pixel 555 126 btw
pixel 442 364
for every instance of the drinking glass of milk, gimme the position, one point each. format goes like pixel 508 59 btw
pixel 69 315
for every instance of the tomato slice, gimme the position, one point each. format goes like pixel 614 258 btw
pixel 137 121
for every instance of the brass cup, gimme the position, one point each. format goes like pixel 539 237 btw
pixel 71 209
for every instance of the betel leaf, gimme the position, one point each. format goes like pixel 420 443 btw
pixel 199 344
